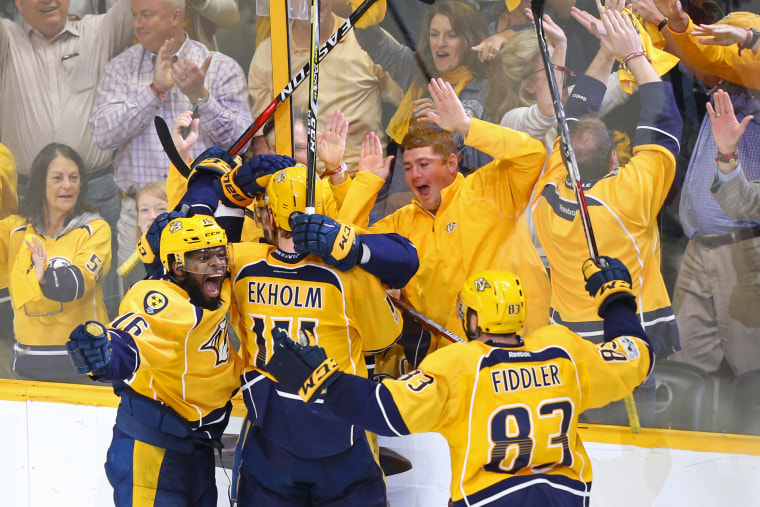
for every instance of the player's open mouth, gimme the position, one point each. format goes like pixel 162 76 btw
pixel 213 285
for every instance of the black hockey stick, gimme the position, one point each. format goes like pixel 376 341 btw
pixel 426 322
pixel 311 123
pixel 568 157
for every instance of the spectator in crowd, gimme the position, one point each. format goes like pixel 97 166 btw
pixel 734 63
pixel 518 93
pixel 513 440
pixel 351 82
pixel 623 201
pixel 716 293
pixel 54 254
pixel 461 224
pixel 49 66
pixel 150 202
pixel 739 198
pixel 164 74
pixel 448 31
pixel 170 360
pixel 512 20
pixel 8 196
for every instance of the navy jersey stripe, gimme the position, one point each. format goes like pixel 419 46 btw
pixel 564 208
pixel 519 485
pixel 500 356
pixel 304 273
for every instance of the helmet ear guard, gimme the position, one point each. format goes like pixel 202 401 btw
pixel 188 234
pixel 498 299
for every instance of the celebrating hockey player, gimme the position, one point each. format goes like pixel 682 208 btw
pixel 292 453
pixel 507 405
pixel 170 360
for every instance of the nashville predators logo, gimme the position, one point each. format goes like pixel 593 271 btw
pixel 481 284
pixel 280 177
pixel 175 226
pixel 219 344
pixel 451 226
pixel 154 302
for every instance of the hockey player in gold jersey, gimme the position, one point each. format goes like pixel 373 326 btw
pixel 507 405
pixel 169 357
pixel 289 453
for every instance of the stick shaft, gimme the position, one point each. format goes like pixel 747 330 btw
pixel 568 157
pixel 300 76
pixel 426 322
pixel 311 127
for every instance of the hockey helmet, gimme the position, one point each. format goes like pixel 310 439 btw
pixel 188 234
pixel 497 298
pixel 286 193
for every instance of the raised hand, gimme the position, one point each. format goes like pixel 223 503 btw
pixel 719 34
pixel 371 157
pixel 726 129
pixel 332 144
pixel 190 78
pixel 447 111
pixel 185 144
pixel 607 280
pixel 162 73
pixel 621 38
pixel 39 257
pixel 489 48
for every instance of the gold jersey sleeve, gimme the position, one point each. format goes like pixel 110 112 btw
pixel 348 313
pixel 186 358
pixel 511 412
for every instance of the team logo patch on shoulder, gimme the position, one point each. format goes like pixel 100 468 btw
pixel 154 302
pixel 451 226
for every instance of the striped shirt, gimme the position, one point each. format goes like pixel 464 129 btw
pixel 122 117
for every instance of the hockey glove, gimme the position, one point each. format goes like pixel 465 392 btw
pixel 608 281
pixel 216 151
pixel 250 179
pixel 324 237
pixel 89 348
pixel 148 246
pixel 302 369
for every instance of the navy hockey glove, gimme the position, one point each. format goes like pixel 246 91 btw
pixel 324 237
pixel 608 281
pixel 250 179
pixel 89 348
pixel 302 369
pixel 148 246
pixel 215 151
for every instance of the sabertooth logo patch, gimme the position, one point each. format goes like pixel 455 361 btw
pixel 280 177
pixel 219 344
pixel 481 284
pixel 451 226
pixel 154 302
pixel 175 226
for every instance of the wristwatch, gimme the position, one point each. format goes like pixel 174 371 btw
pixel 201 100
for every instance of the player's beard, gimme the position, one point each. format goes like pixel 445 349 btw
pixel 194 287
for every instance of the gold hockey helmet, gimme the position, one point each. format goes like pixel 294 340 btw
pixel 497 298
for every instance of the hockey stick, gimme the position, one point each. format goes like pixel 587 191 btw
pixel 300 76
pixel 568 157
pixel 425 322
pixel 311 124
